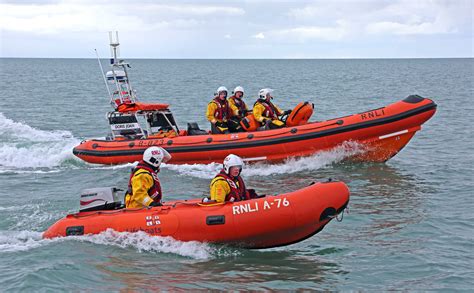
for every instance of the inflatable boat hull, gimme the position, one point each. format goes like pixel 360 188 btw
pixel 383 132
pixel 259 223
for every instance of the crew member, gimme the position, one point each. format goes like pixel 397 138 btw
pixel 238 109
pixel 144 188
pixel 218 112
pixel 266 112
pixel 228 185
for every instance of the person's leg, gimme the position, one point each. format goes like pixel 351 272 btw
pixel 219 129
pixel 275 124
pixel 234 125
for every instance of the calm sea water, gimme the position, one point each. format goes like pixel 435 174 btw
pixel 410 225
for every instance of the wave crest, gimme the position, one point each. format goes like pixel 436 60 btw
pixel 25 147
pixel 292 165
pixel 14 241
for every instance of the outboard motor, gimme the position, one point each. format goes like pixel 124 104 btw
pixel 98 199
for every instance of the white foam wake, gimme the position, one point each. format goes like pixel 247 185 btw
pixel 23 146
pixel 291 165
pixel 18 130
pixel 144 242
pixel 13 241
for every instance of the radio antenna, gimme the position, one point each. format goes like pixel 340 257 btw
pixel 103 75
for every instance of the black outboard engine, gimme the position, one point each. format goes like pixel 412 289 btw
pixel 193 129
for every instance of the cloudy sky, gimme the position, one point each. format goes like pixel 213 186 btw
pixel 238 29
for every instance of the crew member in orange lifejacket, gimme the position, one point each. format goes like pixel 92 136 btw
pixel 144 188
pixel 219 112
pixel 239 109
pixel 228 185
pixel 266 112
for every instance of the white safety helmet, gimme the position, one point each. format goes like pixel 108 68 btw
pixel 155 156
pixel 221 89
pixel 239 89
pixel 232 161
pixel 264 92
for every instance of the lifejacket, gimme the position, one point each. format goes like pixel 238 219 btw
pixel 223 111
pixel 270 110
pixel 239 103
pixel 155 190
pixel 237 193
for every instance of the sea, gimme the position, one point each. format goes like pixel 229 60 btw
pixel 410 222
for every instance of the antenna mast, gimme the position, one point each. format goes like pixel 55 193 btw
pixel 114 48
pixel 103 75
pixel 118 76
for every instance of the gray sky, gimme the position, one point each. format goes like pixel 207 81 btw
pixel 238 29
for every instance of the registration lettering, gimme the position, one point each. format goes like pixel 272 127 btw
pixel 372 114
pixel 269 204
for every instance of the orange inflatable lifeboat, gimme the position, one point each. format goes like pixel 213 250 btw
pixel 270 221
pixel 383 131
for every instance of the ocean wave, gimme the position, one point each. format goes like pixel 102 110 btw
pixel 292 165
pixel 112 167
pixel 144 242
pixel 13 241
pixel 18 130
pixel 25 147
pixel 45 155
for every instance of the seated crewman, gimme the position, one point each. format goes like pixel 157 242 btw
pixel 266 112
pixel 228 185
pixel 144 188
pixel 238 109
pixel 218 112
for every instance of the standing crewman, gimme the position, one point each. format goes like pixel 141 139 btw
pixel 266 112
pixel 144 188
pixel 238 109
pixel 228 185
pixel 219 112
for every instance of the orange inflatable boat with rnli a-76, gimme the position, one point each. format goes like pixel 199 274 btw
pixel 136 126
pixel 264 222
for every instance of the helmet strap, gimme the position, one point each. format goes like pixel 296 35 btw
pixel 156 169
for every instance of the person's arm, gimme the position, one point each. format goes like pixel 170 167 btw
pixel 279 111
pixel 219 189
pixel 233 107
pixel 140 185
pixel 258 110
pixel 211 110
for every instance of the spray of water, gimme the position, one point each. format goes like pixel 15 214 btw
pixel 292 165
pixel 23 147
pixel 14 241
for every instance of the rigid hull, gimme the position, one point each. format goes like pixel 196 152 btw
pixel 384 132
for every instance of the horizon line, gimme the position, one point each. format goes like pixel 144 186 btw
pixel 251 58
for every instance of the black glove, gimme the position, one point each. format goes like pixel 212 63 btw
pixel 155 204
pixel 252 193
pixel 221 124
pixel 287 112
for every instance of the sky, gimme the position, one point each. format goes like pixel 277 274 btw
pixel 238 29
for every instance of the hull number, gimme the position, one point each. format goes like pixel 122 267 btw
pixel 251 207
